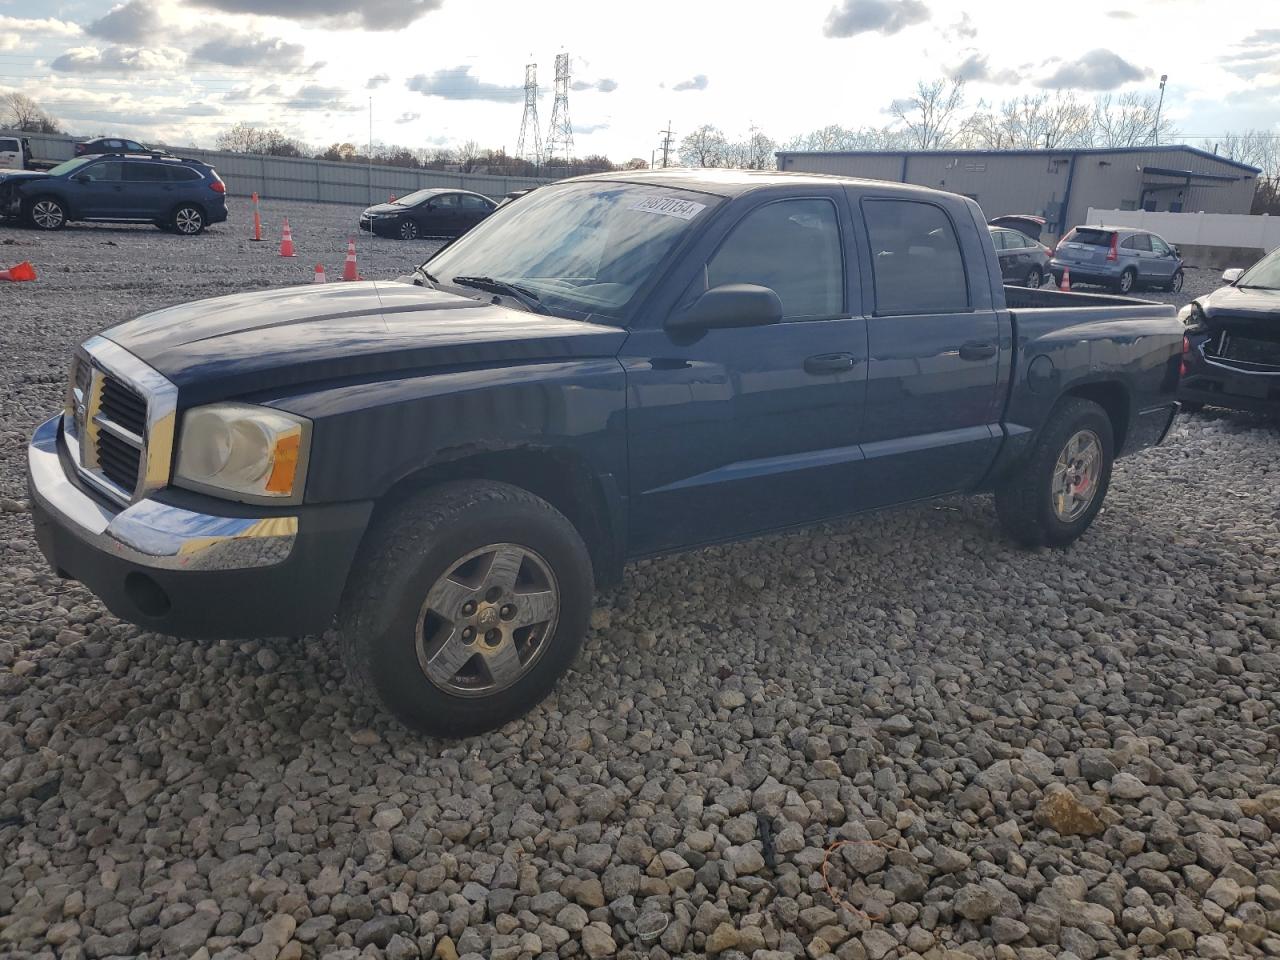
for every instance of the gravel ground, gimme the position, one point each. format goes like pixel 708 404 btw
pixel 1044 754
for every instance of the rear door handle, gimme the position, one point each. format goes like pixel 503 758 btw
pixel 977 351
pixel 830 363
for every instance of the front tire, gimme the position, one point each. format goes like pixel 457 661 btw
pixel 408 230
pixel 467 604
pixel 1035 278
pixel 1175 283
pixel 46 213
pixel 1052 499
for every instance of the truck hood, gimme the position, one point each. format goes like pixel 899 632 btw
pixel 1247 304
pixel 275 339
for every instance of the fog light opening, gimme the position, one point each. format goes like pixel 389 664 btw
pixel 147 595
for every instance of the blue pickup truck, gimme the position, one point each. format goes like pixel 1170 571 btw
pixel 445 466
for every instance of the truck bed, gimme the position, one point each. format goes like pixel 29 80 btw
pixel 1024 297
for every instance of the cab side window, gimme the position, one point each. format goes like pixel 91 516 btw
pixel 793 248
pixel 915 257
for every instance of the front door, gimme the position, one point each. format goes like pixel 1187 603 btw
pixel 1164 261
pixel 97 190
pixel 932 412
pixel 734 431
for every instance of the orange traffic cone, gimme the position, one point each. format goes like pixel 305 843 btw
pixel 1066 279
pixel 349 270
pixel 18 273
pixel 319 278
pixel 257 222
pixel 286 241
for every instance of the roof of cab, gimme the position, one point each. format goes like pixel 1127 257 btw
pixel 731 183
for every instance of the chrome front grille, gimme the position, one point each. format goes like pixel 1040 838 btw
pixel 119 422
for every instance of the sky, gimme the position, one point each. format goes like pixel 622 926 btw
pixel 439 72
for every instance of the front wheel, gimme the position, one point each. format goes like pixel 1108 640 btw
pixel 1035 278
pixel 408 230
pixel 1053 497
pixel 47 213
pixel 1175 283
pixel 467 604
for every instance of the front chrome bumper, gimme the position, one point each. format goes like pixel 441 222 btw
pixel 152 534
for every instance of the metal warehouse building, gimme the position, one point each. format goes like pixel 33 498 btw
pixel 1059 185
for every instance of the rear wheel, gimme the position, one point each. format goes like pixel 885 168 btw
pixel 467 604
pixel 1035 278
pixel 47 213
pixel 188 220
pixel 1053 497
pixel 1128 280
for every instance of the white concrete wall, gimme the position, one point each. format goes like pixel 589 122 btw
pixel 1198 229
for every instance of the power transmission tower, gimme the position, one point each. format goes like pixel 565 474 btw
pixel 560 136
pixel 666 143
pixel 529 124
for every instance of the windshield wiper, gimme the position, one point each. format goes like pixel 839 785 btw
pixel 505 287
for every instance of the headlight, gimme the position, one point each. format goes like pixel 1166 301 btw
pixel 253 453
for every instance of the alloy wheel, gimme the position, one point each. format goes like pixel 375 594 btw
pixel 47 215
pixel 1075 475
pixel 408 230
pixel 188 220
pixel 487 620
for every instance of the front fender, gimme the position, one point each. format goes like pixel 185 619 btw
pixel 367 437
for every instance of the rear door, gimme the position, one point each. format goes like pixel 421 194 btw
pixel 473 210
pixel 10 154
pixel 931 424
pixel 1001 238
pixel 147 190
pixel 1135 251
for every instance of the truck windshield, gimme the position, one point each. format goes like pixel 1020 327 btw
pixel 1263 275
pixel 586 247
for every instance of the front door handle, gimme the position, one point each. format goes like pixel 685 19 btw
pixel 830 363
pixel 977 350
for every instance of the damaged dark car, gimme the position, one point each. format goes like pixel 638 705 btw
pixel 1231 349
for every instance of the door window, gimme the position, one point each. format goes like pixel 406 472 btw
pixel 1001 239
pixel 474 204
pixel 108 171
pixel 180 174
pixel 1139 241
pixel 915 257
pixel 1159 247
pixel 8 146
pixel 791 247
pixel 446 201
pixel 145 173
pixel 134 147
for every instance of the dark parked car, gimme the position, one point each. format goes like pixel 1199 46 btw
pixel 1023 262
pixel 1231 351
pixel 1123 258
pixel 1025 223
pixel 433 212
pixel 180 195
pixel 101 145
pixel 615 367
pixel 515 195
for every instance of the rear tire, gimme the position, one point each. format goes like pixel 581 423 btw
pixel 433 615
pixel 1031 503
pixel 1128 281
pixel 1034 278
pixel 188 220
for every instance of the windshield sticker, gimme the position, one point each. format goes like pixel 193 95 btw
pixel 669 207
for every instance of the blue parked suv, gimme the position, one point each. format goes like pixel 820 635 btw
pixel 1123 258
pixel 175 194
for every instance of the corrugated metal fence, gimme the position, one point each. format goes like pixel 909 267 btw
pixel 286 178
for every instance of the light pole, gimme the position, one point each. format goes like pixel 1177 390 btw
pixel 1155 130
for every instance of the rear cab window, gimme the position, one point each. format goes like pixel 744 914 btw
pixel 916 261
pixel 8 146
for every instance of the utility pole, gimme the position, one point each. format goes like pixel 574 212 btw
pixel 1155 130
pixel 666 144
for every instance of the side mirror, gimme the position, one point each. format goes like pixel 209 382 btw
pixel 729 305
pixel 1175 250
pixel 1232 275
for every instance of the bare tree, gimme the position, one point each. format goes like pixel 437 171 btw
pixel 704 147
pixel 1258 148
pixel 931 116
pixel 1129 120
pixel 760 151
pixel 20 112
pixel 468 153
pixel 1047 121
